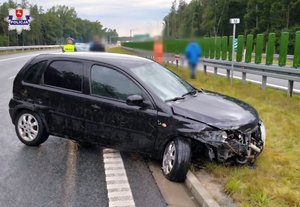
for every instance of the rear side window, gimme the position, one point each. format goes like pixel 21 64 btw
pixel 64 74
pixel 34 73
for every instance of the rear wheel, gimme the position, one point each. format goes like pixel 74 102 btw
pixel 176 159
pixel 30 129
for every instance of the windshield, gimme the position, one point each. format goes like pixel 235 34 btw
pixel 165 84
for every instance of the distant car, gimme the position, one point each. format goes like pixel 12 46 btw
pixel 133 104
pixel 82 47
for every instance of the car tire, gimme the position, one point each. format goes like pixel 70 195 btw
pixel 176 159
pixel 30 128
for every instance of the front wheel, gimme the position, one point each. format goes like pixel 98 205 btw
pixel 176 159
pixel 30 128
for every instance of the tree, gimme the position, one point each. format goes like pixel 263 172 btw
pixel 50 27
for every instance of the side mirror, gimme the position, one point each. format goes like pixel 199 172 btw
pixel 134 100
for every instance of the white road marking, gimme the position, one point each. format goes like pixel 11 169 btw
pixel 11 77
pixel 118 189
pixel 13 58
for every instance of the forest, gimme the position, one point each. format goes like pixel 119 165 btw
pixel 50 27
pixel 211 17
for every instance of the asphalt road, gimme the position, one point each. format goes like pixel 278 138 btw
pixel 59 173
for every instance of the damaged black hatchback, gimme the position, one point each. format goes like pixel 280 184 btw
pixel 133 104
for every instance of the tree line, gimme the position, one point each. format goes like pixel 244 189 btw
pixel 51 27
pixel 211 17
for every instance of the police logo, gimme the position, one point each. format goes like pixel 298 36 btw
pixel 19 19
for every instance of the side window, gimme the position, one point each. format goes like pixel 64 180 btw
pixel 64 74
pixel 34 73
pixel 111 83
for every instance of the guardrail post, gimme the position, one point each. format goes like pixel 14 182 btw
pixel 290 88
pixel 284 41
pixel 205 69
pixel 296 62
pixel 259 48
pixel 270 49
pixel 215 71
pixel 264 82
pixel 244 74
pixel 228 73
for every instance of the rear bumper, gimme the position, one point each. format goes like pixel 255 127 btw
pixel 13 108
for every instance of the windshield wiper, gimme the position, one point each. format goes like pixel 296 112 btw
pixel 174 99
pixel 192 92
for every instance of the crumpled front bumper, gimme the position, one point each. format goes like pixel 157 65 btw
pixel 234 145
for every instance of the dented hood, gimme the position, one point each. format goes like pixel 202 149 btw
pixel 217 110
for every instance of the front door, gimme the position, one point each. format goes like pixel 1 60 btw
pixel 110 121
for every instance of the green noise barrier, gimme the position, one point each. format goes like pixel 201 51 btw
pixel 259 46
pixel 230 48
pixel 284 43
pixel 206 47
pixel 249 48
pixel 240 48
pixel 296 62
pixel 224 47
pixel 218 47
pixel 212 48
pixel 270 49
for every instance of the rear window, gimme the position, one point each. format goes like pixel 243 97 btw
pixel 64 74
pixel 34 73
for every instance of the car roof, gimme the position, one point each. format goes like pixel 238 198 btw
pixel 119 60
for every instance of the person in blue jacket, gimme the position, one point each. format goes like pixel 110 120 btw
pixel 193 52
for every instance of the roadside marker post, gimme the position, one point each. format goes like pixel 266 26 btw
pixel 234 22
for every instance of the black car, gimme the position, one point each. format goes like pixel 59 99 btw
pixel 133 104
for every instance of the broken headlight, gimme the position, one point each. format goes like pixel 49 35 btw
pixel 219 136
pixel 262 132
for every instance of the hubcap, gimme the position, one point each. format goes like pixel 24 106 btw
pixel 28 127
pixel 169 157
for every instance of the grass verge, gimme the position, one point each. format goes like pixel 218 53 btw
pixel 275 181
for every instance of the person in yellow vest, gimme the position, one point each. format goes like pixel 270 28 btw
pixel 69 47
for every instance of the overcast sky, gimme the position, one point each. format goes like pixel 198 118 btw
pixel 140 15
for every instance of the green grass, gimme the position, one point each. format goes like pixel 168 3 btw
pixel 275 182
pixel 119 50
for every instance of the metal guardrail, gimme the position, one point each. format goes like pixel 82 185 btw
pixel 285 73
pixel 276 56
pixel 37 47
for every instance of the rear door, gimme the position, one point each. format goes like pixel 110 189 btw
pixel 109 120
pixel 63 86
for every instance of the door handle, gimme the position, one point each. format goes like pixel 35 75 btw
pixel 95 106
